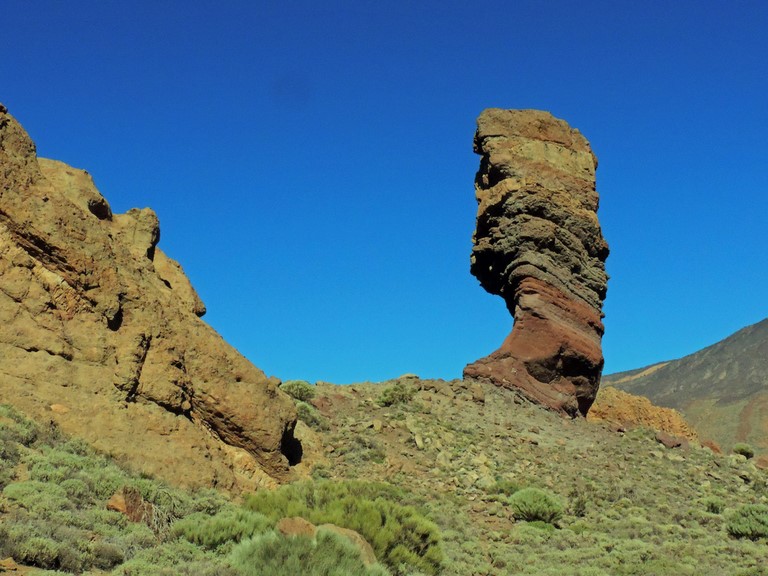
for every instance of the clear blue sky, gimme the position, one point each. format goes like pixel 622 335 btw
pixel 311 162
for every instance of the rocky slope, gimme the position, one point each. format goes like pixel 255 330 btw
pixel 100 333
pixel 626 411
pixel 538 244
pixel 635 505
pixel 722 390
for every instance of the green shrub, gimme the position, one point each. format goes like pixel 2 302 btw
pixel 16 427
pixel 310 416
pixel 224 529
pixel 744 449
pixel 401 537
pixel 176 558
pixel 38 551
pixel 749 521
pixel 38 498
pixel 327 554
pixel 504 487
pixel 532 504
pixel 714 505
pixel 398 393
pixel 299 389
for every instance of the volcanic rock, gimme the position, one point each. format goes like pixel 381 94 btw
pixel 95 317
pixel 538 244
pixel 630 411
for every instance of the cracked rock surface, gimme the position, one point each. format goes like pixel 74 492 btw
pixel 538 244
pixel 96 320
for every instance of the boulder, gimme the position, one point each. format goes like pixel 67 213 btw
pixel 538 245
pixel 94 317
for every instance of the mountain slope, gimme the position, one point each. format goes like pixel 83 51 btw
pixel 458 453
pixel 722 390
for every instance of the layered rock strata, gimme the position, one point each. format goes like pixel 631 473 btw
pixel 538 244
pixel 100 333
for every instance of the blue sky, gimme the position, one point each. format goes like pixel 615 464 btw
pixel 311 162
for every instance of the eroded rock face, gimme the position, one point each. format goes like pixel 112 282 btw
pixel 538 244
pixel 96 320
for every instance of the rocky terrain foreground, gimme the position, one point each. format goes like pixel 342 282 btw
pixel 458 451
pixel 100 333
pixel 538 244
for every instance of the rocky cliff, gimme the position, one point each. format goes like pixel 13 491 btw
pixel 100 333
pixel 538 244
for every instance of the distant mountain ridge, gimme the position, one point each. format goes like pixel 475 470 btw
pixel 722 390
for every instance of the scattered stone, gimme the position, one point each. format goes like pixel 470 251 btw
pixel 712 445
pixel 443 459
pixel 296 526
pixel 8 565
pixel 669 441
pixel 538 244
pixel 130 502
pixel 478 392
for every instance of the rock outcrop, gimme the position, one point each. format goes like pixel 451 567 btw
pixel 538 244
pixel 629 411
pixel 97 322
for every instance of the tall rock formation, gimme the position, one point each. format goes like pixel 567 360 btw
pixel 100 332
pixel 538 244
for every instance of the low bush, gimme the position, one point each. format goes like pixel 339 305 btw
pixel 221 531
pixel 504 487
pixel 398 393
pixel 16 427
pixel 402 538
pixel 310 416
pixel 298 389
pixel 532 504
pixel 749 521
pixel 744 449
pixel 327 554
pixel 714 505
pixel 177 558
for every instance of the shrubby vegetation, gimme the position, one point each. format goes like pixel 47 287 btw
pixel 298 389
pixel 398 393
pixel 327 554
pixel 532 504
pixel 302 392
pixel 55 519
pixel 403 539
pixel 221 531
pixel 744 449
pixel 631 509
pixel 749 521
pixel 310 416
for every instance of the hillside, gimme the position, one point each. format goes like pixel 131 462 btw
pixel 722 390
pixel 455 452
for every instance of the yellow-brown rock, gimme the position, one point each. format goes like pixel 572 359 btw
pixel 95 318
pixel 630 411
